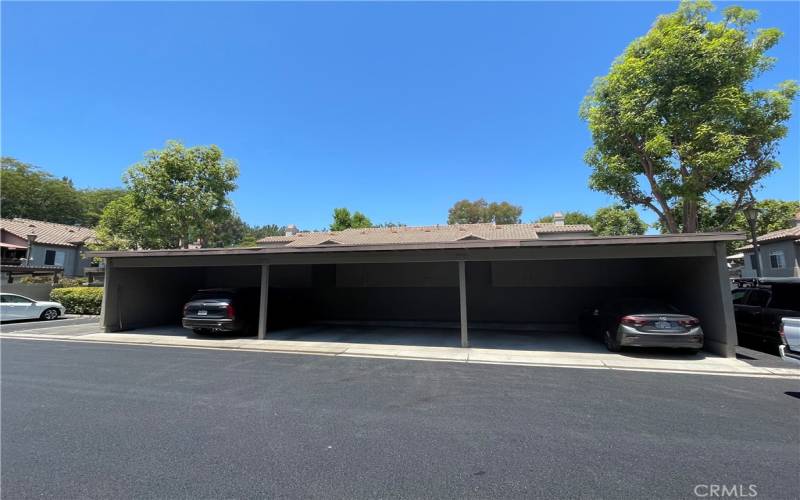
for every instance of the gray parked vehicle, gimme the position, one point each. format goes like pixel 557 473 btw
pixel 642 322
pixel 218 310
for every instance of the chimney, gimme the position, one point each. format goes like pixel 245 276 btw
pixel 558 219
pixel 291 230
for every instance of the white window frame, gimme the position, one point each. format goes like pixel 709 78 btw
pixel 780 258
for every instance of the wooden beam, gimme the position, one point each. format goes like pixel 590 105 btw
pixel 263 303
pixel 462 289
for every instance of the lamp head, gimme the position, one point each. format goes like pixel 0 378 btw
pixel 751 213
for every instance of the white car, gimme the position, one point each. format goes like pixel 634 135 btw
pixel 790 336
pixel 13 307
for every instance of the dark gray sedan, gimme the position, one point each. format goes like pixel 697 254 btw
pixel 643 322
pixel 222 310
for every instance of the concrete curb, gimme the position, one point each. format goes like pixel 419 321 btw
pixel 712 366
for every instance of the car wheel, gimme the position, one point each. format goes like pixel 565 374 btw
pixel 612 343
pixel 49 314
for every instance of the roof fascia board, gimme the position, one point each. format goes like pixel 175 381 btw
pixel 560 242
pixel 698 249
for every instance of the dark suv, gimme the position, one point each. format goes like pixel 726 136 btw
pixel 222 310
pixel 759 309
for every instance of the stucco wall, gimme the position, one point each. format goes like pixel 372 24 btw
pixel 791 255
pixel 36 291
pixel 73 261
pixel 7 237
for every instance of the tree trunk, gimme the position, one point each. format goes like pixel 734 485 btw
pixel 669 221
pixel 689 216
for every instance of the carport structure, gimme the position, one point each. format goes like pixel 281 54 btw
pixel 464 280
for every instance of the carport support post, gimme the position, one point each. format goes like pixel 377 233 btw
pixel 262 307
pixel 108 306
pixel 462 289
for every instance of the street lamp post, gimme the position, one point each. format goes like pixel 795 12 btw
pixel 751 214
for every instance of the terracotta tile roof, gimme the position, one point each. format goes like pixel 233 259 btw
pixel 48 233
pixel 423 234
pixel 793 233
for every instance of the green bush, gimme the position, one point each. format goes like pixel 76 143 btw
pixel 34 280
pixel 70 282
pixel 79 300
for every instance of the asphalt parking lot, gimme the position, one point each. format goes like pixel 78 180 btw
pixel 99 420
pixel 71 322
pixel 545 341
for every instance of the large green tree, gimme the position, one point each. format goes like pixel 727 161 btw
pixel 773 216
pixel 676 119
pixel 176 196
pixel 571 218
pixel 617 221
pixel 29 192
pixel 94 201
pixel 481 211
pixel 254 233
pixel 606 221
pixel 343 219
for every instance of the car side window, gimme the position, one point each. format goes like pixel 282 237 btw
pixel 4 299
pixel 786 297
pixel 758 298
pixel 739 296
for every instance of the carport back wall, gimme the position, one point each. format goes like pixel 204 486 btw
pixel 553 293
pixel 425 291
pixel 151 296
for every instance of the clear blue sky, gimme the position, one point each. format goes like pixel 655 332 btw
pixel 394 109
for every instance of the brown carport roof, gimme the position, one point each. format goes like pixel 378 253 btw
pixel 461 244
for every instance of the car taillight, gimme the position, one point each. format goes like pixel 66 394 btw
pixel 690 322
pixel 231 312
pixel 634 320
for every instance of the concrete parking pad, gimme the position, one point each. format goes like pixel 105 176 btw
pixel 431 344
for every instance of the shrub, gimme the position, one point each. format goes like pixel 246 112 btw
pixel 28 280
pixel 71 282
pixel 79 300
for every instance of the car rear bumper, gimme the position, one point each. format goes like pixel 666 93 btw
pixel 630 337
pixel 218 324
pixel 789 355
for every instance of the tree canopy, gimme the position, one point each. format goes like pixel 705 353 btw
pixel 675 118
pixel 176 196
pixel 30 192
pixel 33 193
pixel 773 216
pixel 606 221
pixel 94 201
pixel 480 211
pixel 573 217
pixel 617 221
pixel 343 219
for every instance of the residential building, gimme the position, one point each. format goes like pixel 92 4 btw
pixel 51 245
pixel 779 251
